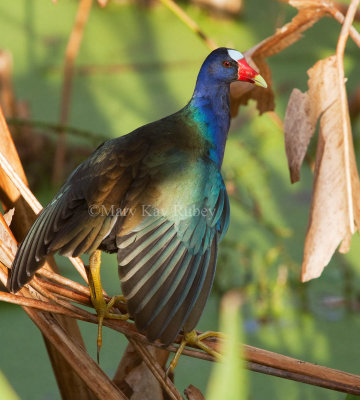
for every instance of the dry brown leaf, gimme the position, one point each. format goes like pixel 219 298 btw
pixel 336 190
pixel 143 383
pixel 299 128
pixel 193 393
pixel 135 379
pixel 302 113
pixel 309 13
pixel 242 92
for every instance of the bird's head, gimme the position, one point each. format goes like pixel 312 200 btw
pixel 228 65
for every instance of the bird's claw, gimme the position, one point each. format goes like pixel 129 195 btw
pixel 192 338
pixel 103 311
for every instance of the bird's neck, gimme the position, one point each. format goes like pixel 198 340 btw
pixel 210 109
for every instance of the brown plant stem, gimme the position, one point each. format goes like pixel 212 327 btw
pixel 344 34
pixel 61 280
pixel 259 360
pixel 8 191
pixel 354 34
pixel 309 380
pixel 72 51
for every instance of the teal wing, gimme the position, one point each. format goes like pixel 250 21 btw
pixel 167 264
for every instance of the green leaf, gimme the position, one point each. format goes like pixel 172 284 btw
pixel 228 378
pixel 6 391
pixel 352 397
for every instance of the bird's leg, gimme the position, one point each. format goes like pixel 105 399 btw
pixel 192 338
pixel 97 296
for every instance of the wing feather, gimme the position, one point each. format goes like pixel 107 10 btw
pixel 66 225
pixel 167 269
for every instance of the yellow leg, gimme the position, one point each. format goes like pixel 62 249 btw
pixel 192 338
pixel 97 297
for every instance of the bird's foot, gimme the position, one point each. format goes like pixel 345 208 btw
pixel 193 339
pixel 103 310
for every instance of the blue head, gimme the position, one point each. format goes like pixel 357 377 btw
pixel 210 104
pixel 223 66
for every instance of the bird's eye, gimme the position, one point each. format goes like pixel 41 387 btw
pixel 226 64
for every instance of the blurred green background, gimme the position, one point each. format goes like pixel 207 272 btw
pixel 137 64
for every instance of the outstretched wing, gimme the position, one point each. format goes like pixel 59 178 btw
pixel 167 264
pixel 81 216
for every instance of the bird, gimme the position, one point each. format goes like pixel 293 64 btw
pixel 156 197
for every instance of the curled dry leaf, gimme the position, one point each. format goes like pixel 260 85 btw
pixel 135 379
pixel 193 393
pixel 242 92
pixel 299 127
pixel 335 201
pixel 143 384
pixel 309 13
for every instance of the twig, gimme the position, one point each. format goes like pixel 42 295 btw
pixel 57 128
pixel 20 185
pixel 309 380
pixel 189 22
pixel 65 293
pixel 77 287
pixel 72 51
pixel 355 35
pixel 37 304
pixel 43 290
pixel 344 34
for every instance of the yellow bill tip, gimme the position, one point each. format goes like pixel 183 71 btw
pixel 260 81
